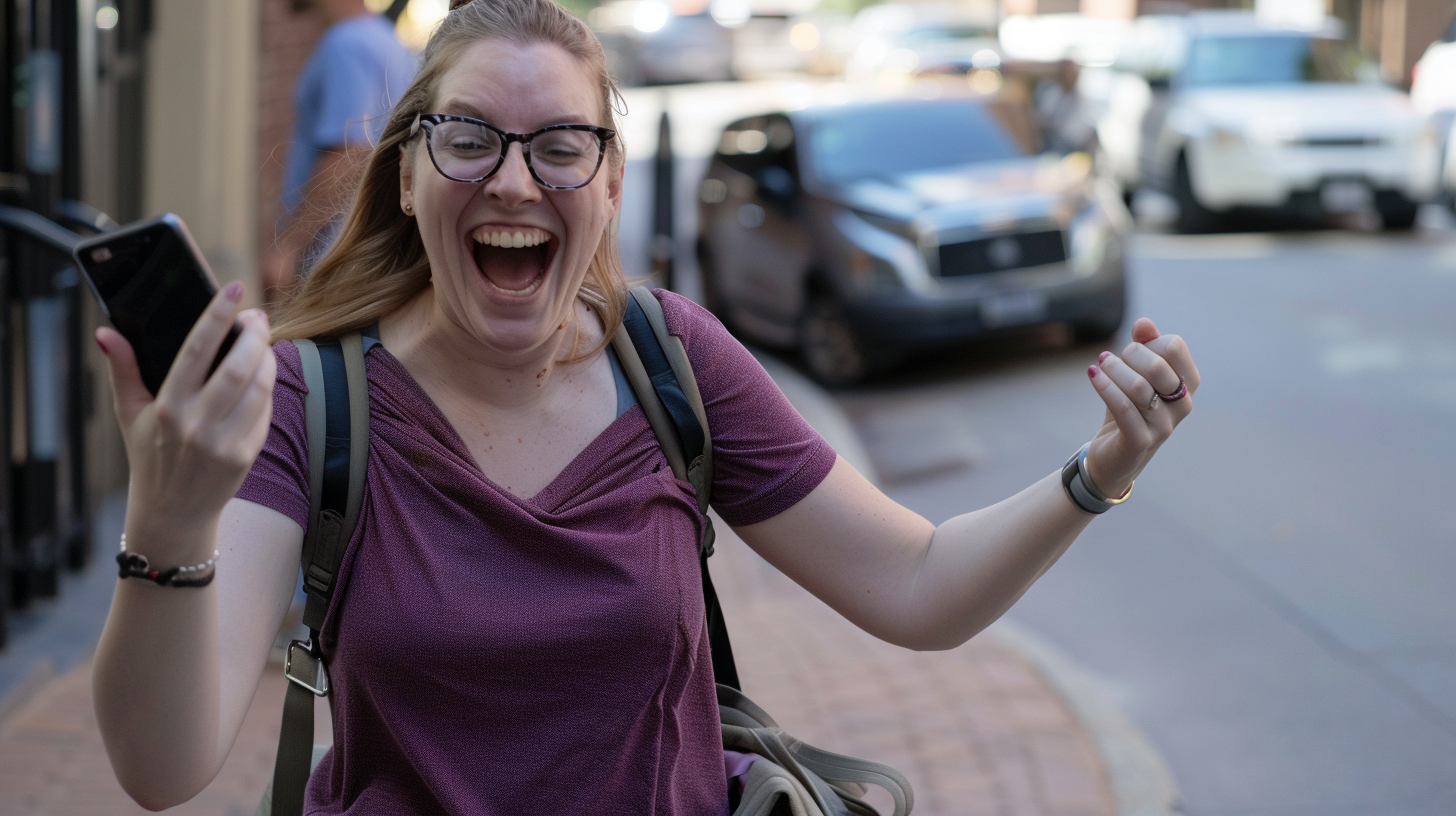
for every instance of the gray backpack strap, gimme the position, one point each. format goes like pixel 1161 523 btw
pixel 336 413
pixel 700 471
pixel 657 366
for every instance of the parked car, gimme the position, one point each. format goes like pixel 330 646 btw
pixel 898 40
pixel 648 43
pixel 860 232
pixel 1233 114
pixel 1433 92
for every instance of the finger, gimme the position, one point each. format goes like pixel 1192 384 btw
pixel 252 416
pixel 1144 331
pixel 1138 390
pixel 129 393
pixel 237 371
pixel 1172 348
pixel 1153 368
pixel 1130 420
pixel 189 370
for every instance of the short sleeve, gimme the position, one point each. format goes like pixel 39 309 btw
pixel 766 457
pixel 279 478
pixel 354 96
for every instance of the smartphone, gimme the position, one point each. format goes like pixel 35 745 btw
pixel 153 285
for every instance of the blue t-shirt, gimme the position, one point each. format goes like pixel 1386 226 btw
pixel 344 95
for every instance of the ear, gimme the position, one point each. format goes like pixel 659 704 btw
pixel 614 187
pixel 406 178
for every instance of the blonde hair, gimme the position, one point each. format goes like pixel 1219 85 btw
pixel 378 262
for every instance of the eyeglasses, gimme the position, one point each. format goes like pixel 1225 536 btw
pixel 560 157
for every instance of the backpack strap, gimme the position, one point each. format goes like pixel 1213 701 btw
pixel 336 413
pixel 657 366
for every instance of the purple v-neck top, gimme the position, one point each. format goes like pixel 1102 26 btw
pixel 497 655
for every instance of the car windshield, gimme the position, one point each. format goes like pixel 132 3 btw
pixel 1269 59
pixel 855 144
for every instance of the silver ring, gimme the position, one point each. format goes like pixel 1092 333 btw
pixel 1153 403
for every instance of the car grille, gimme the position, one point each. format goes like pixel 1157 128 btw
pixel 1002 252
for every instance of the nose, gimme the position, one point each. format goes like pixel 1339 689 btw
pixel 513 184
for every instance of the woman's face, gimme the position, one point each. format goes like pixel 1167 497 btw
pixel 513 300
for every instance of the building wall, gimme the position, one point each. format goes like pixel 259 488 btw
pixel 285 41
pixel 201 136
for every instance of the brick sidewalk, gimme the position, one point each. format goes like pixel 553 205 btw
pixel 977 730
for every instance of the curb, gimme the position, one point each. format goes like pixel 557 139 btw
pixel 1140 780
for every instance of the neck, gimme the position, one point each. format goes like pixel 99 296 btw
pixel 436 350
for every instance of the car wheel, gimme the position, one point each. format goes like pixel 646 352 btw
pixel 831 351
pixel 1193 217
pixel 1398 215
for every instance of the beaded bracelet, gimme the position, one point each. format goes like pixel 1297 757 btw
pixel 135 565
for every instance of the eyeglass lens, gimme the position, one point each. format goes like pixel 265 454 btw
pixel 467 151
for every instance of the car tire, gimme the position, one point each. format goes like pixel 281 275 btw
pixel 1399 214
pixel 1193 217
pixel 831 351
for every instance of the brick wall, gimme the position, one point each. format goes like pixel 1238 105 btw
pixel 286 42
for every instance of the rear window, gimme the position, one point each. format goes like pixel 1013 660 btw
pixel 860 143
pixel 1269 59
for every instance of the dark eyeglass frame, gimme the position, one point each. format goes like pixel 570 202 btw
pixel 426 122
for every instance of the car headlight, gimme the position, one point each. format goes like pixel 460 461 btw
pixel 1091 240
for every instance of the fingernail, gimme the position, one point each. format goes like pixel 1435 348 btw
pixel 1091 372
pixel 1102 358
pixel 234 291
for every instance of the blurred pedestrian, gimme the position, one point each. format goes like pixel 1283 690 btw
pixel 344 94
pixel 519 624
pixel 1062 112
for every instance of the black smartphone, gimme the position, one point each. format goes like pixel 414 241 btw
pixel 153 284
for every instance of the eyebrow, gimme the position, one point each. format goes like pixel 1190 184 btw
pixel 460 108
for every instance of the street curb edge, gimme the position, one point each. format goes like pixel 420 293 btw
pixel 1140 780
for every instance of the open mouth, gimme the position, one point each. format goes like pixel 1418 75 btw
pixel 513 260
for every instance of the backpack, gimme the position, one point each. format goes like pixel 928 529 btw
pixel 787 778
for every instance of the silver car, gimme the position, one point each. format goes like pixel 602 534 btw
pixel 859 233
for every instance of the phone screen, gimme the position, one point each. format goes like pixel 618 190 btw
pixel 154 289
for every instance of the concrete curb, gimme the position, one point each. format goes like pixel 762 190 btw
pixel 1139 778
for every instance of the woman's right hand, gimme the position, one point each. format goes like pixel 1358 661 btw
pixel 191 446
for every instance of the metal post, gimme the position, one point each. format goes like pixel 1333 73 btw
pixel 662 246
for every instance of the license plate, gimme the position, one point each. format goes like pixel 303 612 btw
pixel 1346 196
pixel 1013 308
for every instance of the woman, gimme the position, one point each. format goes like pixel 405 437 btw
pixel 517 627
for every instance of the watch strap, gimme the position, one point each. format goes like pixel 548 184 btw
pixel 1080 488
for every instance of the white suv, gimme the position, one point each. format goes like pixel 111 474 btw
pixel 1232 114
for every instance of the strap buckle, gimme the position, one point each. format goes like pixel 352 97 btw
pixel 318 684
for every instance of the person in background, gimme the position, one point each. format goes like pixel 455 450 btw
pixel 1061 111
pixel 344 95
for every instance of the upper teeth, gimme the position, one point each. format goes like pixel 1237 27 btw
pixel 516 239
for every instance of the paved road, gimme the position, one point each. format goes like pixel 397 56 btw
pixel 1274 606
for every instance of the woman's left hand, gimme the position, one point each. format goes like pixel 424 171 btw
pixel 1139 417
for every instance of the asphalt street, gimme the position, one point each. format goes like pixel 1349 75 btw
pixel 1274 605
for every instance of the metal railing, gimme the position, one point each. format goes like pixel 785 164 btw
pixel 46 505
